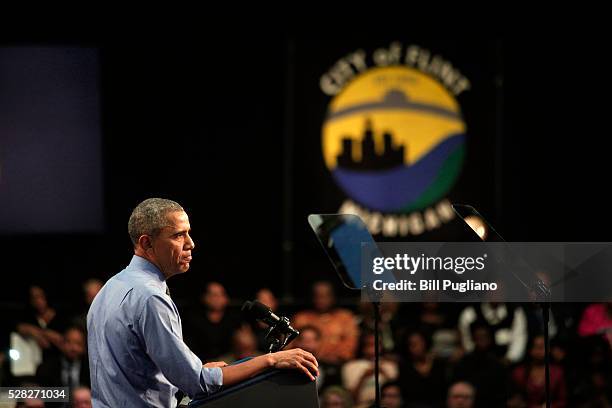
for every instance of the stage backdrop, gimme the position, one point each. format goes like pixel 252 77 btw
pixel 394 130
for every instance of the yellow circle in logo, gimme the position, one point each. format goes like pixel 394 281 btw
pixel 394 139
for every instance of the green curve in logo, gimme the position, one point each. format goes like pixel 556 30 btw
pixel 444 181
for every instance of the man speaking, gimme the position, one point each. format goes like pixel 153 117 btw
pixel 136 351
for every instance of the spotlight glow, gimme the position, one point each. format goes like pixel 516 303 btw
pixel 14 354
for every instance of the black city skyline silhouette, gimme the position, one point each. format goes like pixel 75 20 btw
pixel 370 160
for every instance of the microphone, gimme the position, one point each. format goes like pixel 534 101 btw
pixel 258 311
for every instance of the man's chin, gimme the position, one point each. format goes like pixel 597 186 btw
pixel 182 268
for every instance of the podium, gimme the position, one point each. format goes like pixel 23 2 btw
pixel 271 389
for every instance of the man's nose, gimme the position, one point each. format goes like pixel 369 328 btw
pixel 189 243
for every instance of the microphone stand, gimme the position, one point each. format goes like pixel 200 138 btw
pixel 376 305
pixel 279 335
pixel 544 293
pixel 375 298
pixel 538 288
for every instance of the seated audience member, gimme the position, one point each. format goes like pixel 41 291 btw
pixel 71 367
pixel 265 296
pixel 558 352
pixel 482 368
pixel 81 397
pixel 208 329
pixel 387 324
pixel 338 327
pixel 535 320
pixel 508 325
pixel 516 400
pixel 591 374
pixel 597 320
pixel 530 380
pixel 244 344
pixel 358 374
pixel 391 395
pixel 335 397
pixel 422 377
pixel 439 322
pixel 310 340
pixel 460 395
pixel 42 323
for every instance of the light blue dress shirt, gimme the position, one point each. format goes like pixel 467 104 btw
pixel 137 355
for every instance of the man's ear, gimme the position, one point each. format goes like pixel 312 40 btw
pixel 145 242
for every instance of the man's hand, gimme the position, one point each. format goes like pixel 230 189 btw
pixel 214 364
pixel 296 359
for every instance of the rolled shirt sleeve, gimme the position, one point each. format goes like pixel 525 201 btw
pixel 161 331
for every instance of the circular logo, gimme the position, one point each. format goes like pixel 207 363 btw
pixel 394 139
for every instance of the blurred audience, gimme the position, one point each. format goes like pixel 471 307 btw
pixel 265 296
pixel 335 397
pixel 387 325
pixel 310 340
pixel 529 379
pixel 422 376
pixel 41 322
pixel 71 367
pixel 209 327
pixel 81 398
pixel 244 345
pixel 358 374
pixel 597 320
pixel 439 322
pixel 338 327
pixel 461 395
pixel 592 384
pixel 391 395
pixel 507 322
pixel 480 350
pixel 483 369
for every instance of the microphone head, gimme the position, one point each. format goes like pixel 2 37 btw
pixel 256 310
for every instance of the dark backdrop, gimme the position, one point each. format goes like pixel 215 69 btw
pixel 219 125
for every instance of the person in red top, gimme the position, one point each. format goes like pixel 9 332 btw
pixel 338 327
pixel 529 378
pixel 597 320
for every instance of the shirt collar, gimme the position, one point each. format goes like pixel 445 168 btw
pixel 141 264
